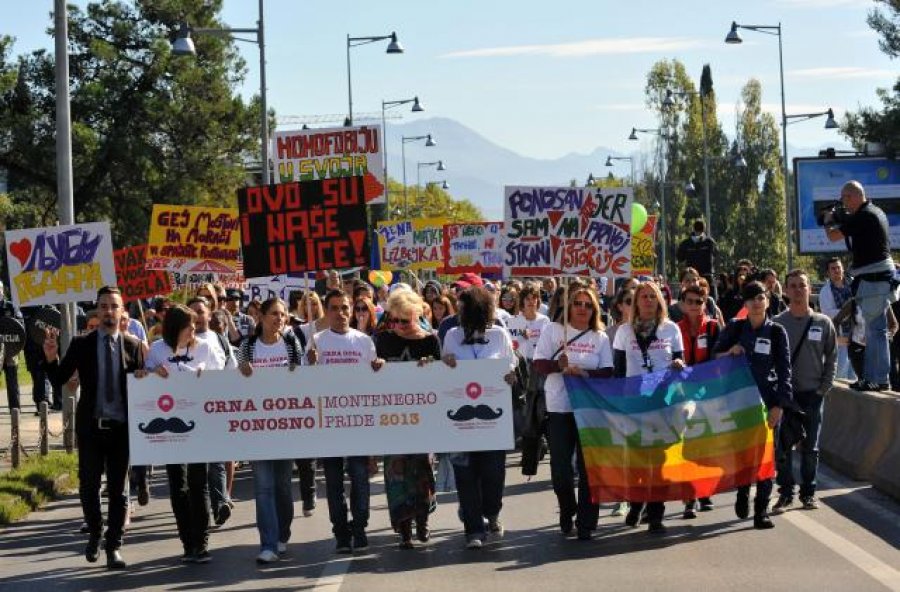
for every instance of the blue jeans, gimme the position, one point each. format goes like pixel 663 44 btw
pixel 358 469
pixel 813 406
pixel 479 487
pixel 844 368
pixel 873 301
pixel 274 504
pixel 563 436
pixel 218 486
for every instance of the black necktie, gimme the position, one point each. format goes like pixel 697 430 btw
pixel 110 387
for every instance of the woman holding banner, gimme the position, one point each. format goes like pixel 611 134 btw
pixel 582 349
pixel 765 345
pixel 271 346
pixel 408 478
pixel 180 350
pixel 649 343
pixel 480 476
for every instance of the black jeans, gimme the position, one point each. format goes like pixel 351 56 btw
pixel 763 493
pixel 100 450
pixel 306 471
pixel 358 469
pixel 189 493
pixel 479 487
pixel 10 374
pixel 563 435
pixel 39 388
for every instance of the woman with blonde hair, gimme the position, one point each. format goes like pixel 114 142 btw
pixel 408 478
pixel 649 343
pixel 315 316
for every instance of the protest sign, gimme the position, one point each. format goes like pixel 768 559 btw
pixel 316 411
pixel 277 286
pixel 473 247
pixel 59 263
pixel 330 153
pixel 643 249
pixel 411 244
pixel 134 279
pixel 305 226
pixel 567 231
pixel 193 239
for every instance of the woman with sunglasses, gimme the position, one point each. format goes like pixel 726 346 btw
pixel 581 349
pixel 649 343
pixel 480 476
pixel 509 300
pixel 408 478
pixel 364 317
pixel 698 333
pixel 765 345
pixel 691 277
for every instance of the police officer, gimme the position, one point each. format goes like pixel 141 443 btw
pixel 10 363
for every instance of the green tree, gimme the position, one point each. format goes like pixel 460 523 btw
pixel 147 126
pixel 430 201
pixel 868 124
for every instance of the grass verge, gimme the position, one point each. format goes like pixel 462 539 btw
pixel 38 480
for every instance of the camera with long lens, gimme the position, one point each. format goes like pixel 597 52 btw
pixel 834 213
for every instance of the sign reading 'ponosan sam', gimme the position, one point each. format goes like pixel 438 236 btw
pixel 567 230
pixel 317 412
pixel 59 263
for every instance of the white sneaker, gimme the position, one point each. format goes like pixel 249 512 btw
pixel 282 548
pixel 620 509
pixel 267 557
pixel 474 542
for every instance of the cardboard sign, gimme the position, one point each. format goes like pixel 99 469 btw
pixel 194 239
pixel 643 249
pixel 473 247
pixel 60 263
pixel 582 231
pixel 306 226
pixel 133 277
pixel 412 244
pixel 315 411
pixel 330 153
pixel 279 286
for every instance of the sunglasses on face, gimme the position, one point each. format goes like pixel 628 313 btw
pixel 361 308
pixel 582 304
pixel 693 301
pixel 401 322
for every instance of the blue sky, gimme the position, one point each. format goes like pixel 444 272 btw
pixel 545 79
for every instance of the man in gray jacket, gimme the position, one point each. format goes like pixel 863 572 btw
pixel 812 342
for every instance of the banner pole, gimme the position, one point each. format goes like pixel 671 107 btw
pixel 309 290
pixel 564 280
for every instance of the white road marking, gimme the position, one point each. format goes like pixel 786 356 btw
pixel 332 576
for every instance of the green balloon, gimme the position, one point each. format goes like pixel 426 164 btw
pixel 638 218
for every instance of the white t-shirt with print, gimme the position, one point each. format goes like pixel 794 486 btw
pixel 211 339
pixel 352 347
pixel 199 356
pixel 498 345
pixel 270 356
pixel 525 334
pixel 668 342
pixel 590 351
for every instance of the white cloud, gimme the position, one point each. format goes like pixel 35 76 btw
pixel 584 48
pixel 841 73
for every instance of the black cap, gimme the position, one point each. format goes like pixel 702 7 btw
pixel 751 290
pixel 233 294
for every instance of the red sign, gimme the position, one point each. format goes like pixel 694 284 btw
pixel 134 279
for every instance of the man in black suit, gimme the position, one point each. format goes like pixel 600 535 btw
pixel 102 359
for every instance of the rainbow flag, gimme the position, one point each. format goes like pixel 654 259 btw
pixel 673 435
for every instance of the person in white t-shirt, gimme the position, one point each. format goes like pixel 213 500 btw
pixel 180 350
pixel 525 328
pixel 341 344
pixel 581 349
pixel 649 343
pixel 271 346
pixel 480 476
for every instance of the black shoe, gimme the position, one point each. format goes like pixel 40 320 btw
pixel 114 559
pixel 689 514
pixel 706 504
pixel 865 385
pixel 143 494
pixel 309 507
pixel 92 550
pixel 202 557
pixel 423 534
pixel 360 540
pixel 223 515
pixel 742 505
pixel 657 528
pixel 584 534
pixel 565 524
pixel 645 516
pixel 884 386
pixel 633 516
pixel 188 556
pixel 762 522
pixel 342 545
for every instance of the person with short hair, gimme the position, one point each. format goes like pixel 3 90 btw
pixel 835 293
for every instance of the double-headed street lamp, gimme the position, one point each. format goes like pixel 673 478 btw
pixel 662 186
pixel 385 105
pixel 184 45
pixel 610 159
pixel 393 47
pixel 429 142
pixel 437 163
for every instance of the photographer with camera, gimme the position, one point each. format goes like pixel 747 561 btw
pixel 864 228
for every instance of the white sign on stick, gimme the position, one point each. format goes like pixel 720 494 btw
pixel 319 411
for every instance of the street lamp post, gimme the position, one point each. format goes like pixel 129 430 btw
pixel 668 102
pixel 610 159
pixel 184 45
pixel 429 142
pixel 393 47
pixel 385 105
pixel 662 187
pixel 437 163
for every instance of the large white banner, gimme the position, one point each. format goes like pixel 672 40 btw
pixel 319 411
pixel 59 264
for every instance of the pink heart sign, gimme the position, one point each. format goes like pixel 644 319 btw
pixel 166 403
pixel 473 390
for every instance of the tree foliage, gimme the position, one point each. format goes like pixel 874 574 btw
pixel 147 126
pixel 430 201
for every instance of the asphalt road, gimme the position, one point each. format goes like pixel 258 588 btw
pixel 851 543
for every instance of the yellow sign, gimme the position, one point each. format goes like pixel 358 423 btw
pixel 193 239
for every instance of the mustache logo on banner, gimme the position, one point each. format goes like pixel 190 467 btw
pixel 470 412
pixel 159 425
